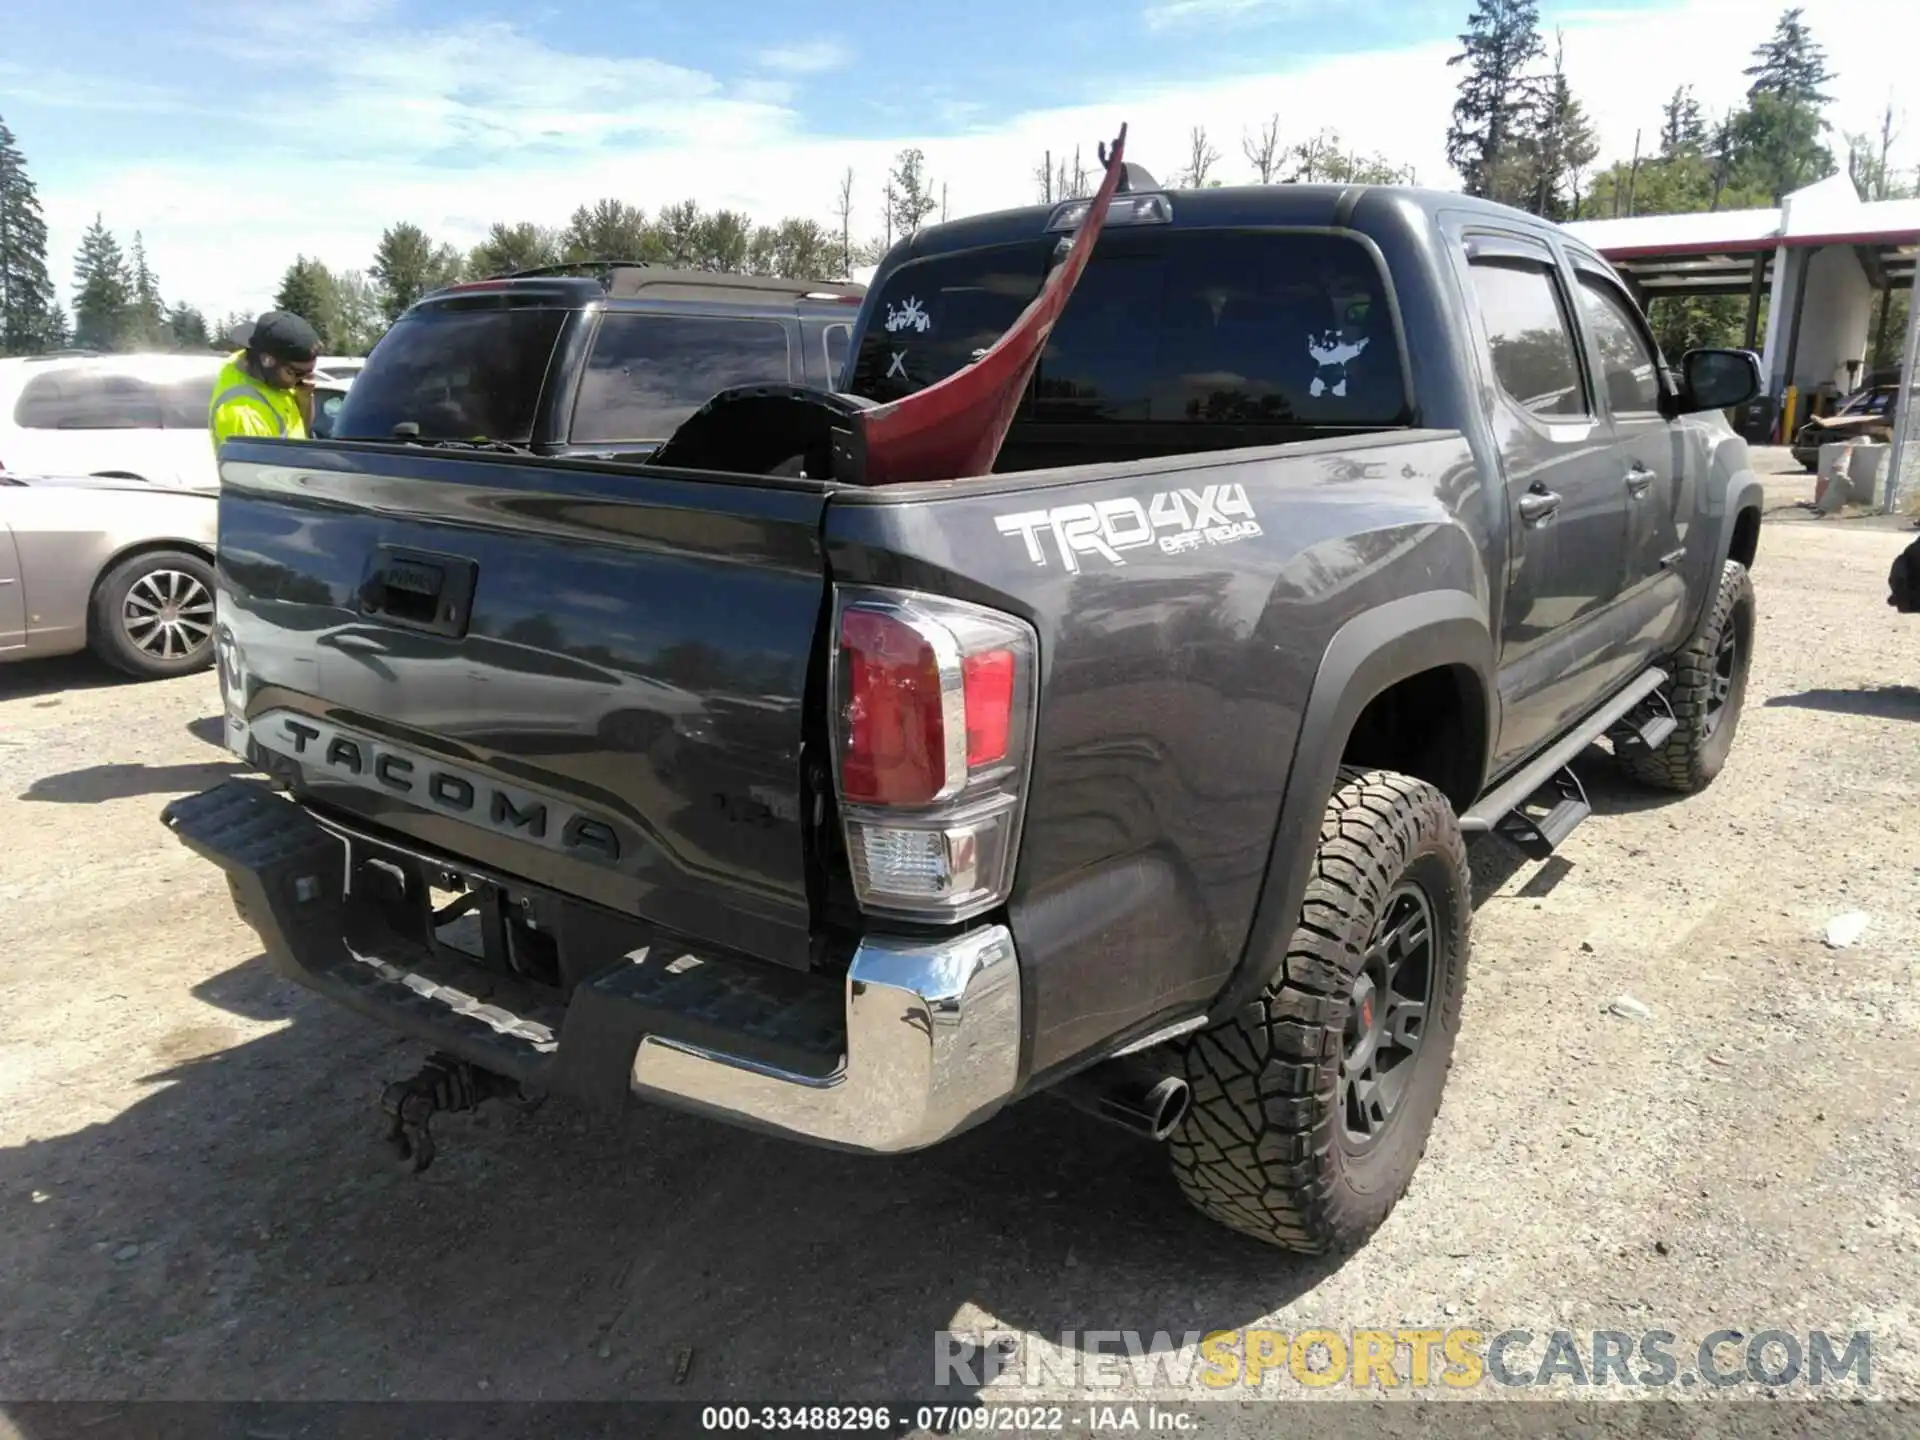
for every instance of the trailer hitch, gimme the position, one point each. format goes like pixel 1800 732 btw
pixel 444 1083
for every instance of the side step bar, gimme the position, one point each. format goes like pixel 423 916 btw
pixel 1538 806
pixel 1646 727
pixel 1539 823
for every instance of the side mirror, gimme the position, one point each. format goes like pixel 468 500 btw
pixel 1717 380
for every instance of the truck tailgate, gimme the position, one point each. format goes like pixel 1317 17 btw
pixel 591 680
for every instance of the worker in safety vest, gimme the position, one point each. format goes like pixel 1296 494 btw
pixel 267 387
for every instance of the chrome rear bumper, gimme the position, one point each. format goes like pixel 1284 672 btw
pixel 933 1045
pixel 919 1040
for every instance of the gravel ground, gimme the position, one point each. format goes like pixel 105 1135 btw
pixel 193 1203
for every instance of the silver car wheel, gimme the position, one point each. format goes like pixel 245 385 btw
pixel 168 614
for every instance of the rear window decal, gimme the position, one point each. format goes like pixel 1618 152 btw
pixel 909 314
pixel 1331 354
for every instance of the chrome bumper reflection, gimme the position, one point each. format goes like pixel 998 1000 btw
pixel 933 1045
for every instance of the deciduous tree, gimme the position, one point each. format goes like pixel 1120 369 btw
pixel 1263 150
pixel 1202 156
pixel 407 264
pixel 508 248
pixel 910 195
pixel 357 306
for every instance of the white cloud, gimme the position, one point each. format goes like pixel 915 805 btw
pixel 810 57
pixel 1164 14
pixel 537 138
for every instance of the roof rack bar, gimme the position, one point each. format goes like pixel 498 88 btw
pixel 562 267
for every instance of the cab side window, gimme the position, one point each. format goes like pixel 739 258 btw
pixel 649 372
pixel 1535 358
pixel 1628 366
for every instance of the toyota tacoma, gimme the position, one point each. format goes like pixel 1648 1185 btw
pixel 1094 693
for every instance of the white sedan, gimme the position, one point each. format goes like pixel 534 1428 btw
pixel 119 567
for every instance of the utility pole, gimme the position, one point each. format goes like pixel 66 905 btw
pixel 1633 174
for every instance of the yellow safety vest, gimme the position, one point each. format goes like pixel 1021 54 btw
pixel 242 405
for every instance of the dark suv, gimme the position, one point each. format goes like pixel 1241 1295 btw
pixel 605 364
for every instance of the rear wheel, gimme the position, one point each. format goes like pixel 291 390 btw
pixel 153 615
pixel 1312 1107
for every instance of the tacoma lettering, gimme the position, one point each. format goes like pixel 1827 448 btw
pixel 344 756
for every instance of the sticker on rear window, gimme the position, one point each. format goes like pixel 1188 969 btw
pixel 909 314
pixel 1331 354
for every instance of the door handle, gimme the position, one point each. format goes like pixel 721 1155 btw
pixel 1537 504
pixel 1639 479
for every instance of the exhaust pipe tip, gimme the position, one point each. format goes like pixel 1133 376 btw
pixel 1166 1105
pixel 1130 1094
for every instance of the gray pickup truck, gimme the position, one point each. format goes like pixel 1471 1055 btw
pixel 1104 713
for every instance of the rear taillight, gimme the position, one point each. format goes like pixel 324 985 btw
pixel 933 729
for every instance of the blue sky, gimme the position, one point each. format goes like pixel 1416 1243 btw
pixel 236 135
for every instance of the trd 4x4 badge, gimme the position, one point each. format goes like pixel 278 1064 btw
pixel 1173 520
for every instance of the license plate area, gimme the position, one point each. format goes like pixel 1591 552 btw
pixel 464 917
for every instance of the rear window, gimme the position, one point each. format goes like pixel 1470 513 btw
pixel 838 340
pixel 649 372
pixel 88 400
pixel 184 403
pixel 1174 327
pixel 459 374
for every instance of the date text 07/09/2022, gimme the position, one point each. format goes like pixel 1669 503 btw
pixel 949 1419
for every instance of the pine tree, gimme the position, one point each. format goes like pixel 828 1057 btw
pixel 1790 66
pixel 1498 92
pixel 1557 145
pixel 187 328
pixel 1683 130
pixel 307 290
pixel 30 316
pixel 1778 138
pixel 102 290
pixel 147 318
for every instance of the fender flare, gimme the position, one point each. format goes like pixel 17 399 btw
pixel 1372 651
pixel 1744 492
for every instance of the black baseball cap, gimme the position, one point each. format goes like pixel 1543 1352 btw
pixel 280 334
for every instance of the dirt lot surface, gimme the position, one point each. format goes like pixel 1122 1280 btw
pixel 193 1202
